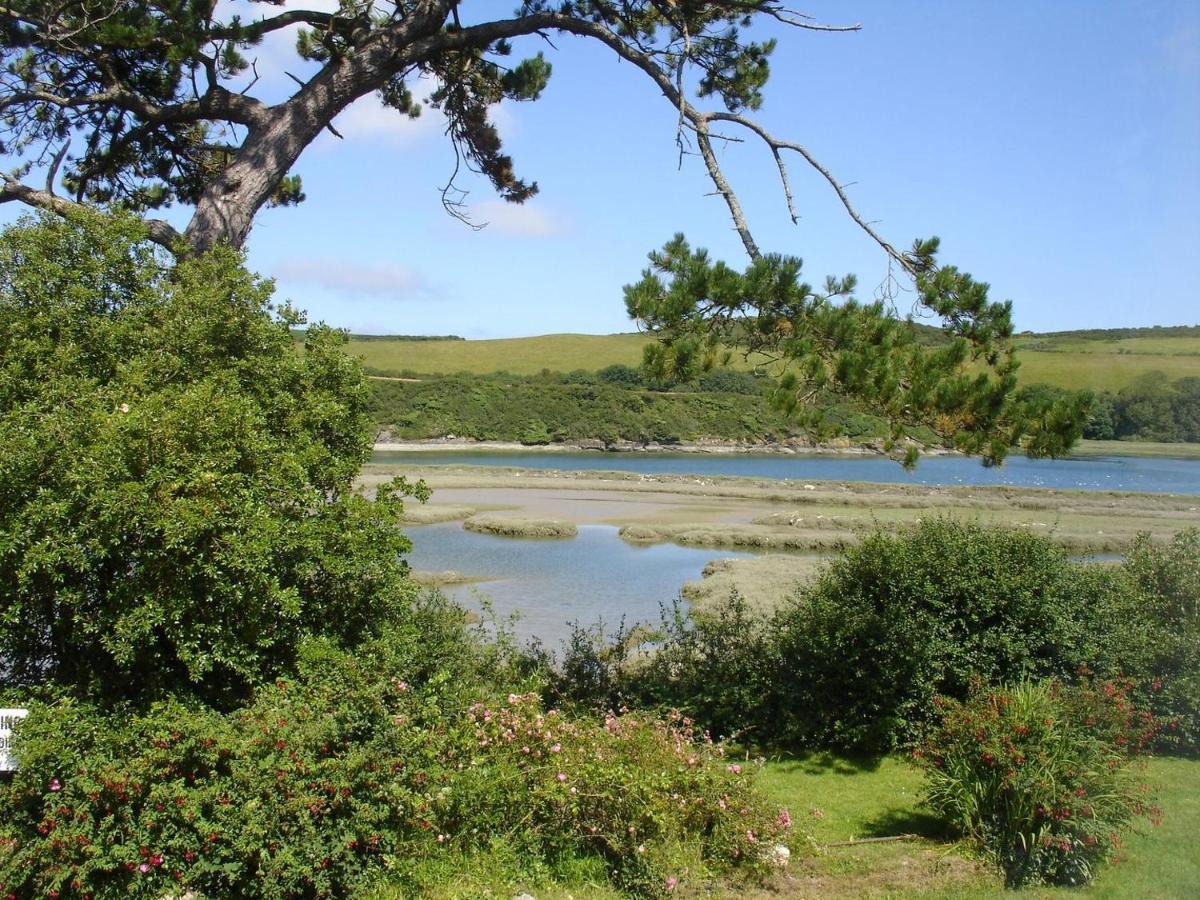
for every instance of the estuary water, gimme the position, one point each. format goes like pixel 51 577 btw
pixel 552 583
pixel 597 576
pixel 1101 473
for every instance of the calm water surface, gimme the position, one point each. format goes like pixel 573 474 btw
pixel 552 583
pixel 1108 473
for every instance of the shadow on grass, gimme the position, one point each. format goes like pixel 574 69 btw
pixel 825 763
pixel 903 820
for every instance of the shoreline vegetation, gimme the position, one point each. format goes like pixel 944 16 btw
pixel 839 447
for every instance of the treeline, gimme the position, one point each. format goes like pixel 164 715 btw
pixel 1120 334
pixel 610 406
pixel 1152 408
pixel 617 404
pixel 406 337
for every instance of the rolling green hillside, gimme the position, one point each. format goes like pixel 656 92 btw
pixel 1065 359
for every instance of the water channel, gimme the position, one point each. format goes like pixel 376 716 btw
pixel 1102 473
pixel 552 583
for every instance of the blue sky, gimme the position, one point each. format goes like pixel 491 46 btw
pixel 1054 147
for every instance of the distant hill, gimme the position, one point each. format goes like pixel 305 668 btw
pixel 1098 359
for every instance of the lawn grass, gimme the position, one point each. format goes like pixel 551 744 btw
pixel 837 800
pixel 1068 362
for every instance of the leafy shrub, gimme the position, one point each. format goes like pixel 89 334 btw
pixel 730 381
pixel 176 499
pixel 717 667
pixel 1168 582
pixel 854 662
pixel 368 765
pixel 902 618
pixel 1039 775
pixel 624 376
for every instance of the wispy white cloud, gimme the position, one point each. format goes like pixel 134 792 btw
pixel 522 220
pixel 388 280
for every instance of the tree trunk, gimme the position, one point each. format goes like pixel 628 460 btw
pixel 225 211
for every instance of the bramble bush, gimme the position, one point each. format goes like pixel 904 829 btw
pixel 368 766
pixel 1040 775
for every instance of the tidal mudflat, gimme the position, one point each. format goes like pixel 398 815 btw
pixel 723 512
pixel 644 537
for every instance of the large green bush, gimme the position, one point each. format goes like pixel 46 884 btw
pixel 176 502
pixel 900 619
pixel 854 661
pixel 1039 776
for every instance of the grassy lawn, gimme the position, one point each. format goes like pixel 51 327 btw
pixel 838 800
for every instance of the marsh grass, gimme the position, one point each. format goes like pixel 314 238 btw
pixel 513 526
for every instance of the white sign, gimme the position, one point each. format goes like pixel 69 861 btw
pixel 8 721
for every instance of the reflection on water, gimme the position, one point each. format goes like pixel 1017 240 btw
pixel 555 582
pixel 1108 473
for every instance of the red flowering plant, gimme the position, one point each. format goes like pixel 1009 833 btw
pixel 1040 775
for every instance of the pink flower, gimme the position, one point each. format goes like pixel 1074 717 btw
pixel 144 868
pixel 671 882
pixel 734 768
pixel 750 837
pixel 55 785
pixel 785 818
pixel 557 748
pixel 562 776
pixel 441 839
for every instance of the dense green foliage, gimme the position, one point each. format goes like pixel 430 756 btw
pixel 855 661
pixel 900 619
pixel 1167 579
pixel 1151 408
pixel 607 407
pixel 1039 775
pixel 1117 334
pixel 176 502
pixel 365 766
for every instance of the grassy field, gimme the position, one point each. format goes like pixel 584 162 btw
pixel 520 356
pixel 1136 448
pixel 1070 362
